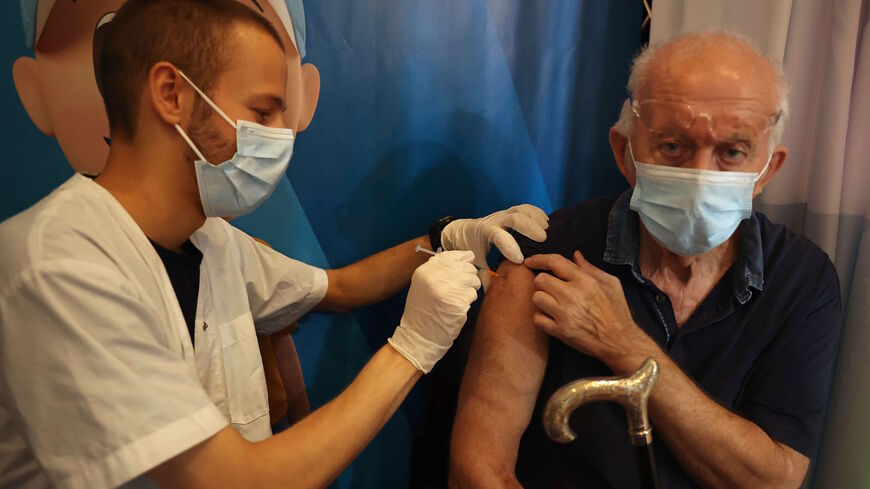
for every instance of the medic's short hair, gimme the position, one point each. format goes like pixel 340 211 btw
pixel 190 34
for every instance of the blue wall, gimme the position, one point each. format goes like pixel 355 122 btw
pixel 427 108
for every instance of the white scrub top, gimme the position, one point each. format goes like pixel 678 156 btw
pixel 99 381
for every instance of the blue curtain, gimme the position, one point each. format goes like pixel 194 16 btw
pixel 457 107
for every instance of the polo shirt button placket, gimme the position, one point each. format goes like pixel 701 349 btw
pixel 661 300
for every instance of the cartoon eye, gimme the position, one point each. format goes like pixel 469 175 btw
pixel 99 34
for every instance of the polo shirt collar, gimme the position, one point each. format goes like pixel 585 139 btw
pixel 623 242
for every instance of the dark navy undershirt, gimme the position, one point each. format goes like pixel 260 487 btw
pixel 183 271
pixel 762 344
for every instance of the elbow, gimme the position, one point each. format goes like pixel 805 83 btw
pixel 463 480
pixel 338 297
pixel 788 474
pixel 791 478
pixel 475 472
pixel 793 469
pixel 461 476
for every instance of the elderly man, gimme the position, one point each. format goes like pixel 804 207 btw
pixel 741 315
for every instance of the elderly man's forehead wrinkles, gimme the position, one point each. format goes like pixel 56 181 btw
pixel 710 71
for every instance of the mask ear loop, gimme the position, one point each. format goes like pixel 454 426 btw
pixel 208 100
pixel 764 170
pixel 190 143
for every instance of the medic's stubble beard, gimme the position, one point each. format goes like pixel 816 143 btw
pixel 215 144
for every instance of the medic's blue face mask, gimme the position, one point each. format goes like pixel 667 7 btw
pixel 239 185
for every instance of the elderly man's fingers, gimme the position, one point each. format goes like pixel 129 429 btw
pixel 558 264
pixel 551 285
pixel 589 268
pixel 547 304
pixel 544 323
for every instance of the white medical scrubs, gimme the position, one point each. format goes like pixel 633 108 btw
pixel 99 381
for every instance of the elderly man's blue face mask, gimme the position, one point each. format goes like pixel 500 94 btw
pixel 691 211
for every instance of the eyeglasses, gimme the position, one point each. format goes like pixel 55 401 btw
pixel 724 122
pixel 674 127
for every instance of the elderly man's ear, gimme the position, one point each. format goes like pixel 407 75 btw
pixel 310 95
pixel 619 145
pixel 777 159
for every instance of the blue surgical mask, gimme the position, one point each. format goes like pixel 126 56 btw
pixel 237 186
pixel 691 211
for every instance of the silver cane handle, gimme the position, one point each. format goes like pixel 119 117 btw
pixel 632 392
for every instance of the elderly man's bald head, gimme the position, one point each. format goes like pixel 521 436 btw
pixel 707 67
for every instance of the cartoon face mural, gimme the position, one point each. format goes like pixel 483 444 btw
pixel 58 86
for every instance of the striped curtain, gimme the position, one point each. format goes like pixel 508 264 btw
pixel 822 192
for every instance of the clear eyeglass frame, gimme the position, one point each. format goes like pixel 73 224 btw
pixel 739 132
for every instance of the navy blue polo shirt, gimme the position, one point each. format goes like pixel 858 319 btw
pixel 762 344
pixel 183 271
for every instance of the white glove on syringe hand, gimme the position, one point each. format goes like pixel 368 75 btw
pixel 477 234
pixel 442 290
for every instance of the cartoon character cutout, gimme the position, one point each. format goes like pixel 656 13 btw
pixel 58 86
pixel 60 92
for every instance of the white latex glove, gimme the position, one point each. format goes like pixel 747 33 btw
pixel 477 234
pixel 442 290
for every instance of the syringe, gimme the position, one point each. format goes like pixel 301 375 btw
pixel 420 249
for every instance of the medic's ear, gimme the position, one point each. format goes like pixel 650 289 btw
pixel 25 74
pixel 310 95
pixel 170 96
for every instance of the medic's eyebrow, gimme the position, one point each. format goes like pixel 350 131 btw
pixel 256 3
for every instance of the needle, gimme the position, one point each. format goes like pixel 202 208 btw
pixel 420 249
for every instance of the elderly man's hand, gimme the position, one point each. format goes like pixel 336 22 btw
pixel 586 309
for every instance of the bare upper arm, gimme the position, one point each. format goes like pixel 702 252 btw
pixel 501 382
pixel 214 462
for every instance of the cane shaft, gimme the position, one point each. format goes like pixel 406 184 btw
pixel 646 467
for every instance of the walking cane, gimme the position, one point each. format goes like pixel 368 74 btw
pixel 632 392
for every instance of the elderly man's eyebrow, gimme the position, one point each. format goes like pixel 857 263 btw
pixel 257 4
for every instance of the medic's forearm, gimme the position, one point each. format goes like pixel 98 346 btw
pixel 715 446
pixel 309 454
pixel 373 279
pixel 327 440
